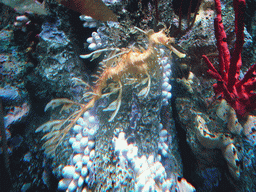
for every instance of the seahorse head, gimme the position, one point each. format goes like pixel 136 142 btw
pixel 160 38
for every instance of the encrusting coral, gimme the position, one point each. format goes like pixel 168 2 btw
pixel 132 65
pixel 223 141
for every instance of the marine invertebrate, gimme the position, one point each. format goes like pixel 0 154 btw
pixel 81 166
pixel 212 133
pixel 239 93
pixel 222 141
pixel 53 36
pixel 30 25
pixel 89 21
pixel 216 136
pixel 149 173
pixel 166 63
pixel 21 21
pixel 228 114
pixel 94 41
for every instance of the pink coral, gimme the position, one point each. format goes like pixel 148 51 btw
pixel 239 94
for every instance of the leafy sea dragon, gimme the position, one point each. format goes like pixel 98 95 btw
pixel 127 63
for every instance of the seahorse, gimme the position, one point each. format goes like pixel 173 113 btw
pixel 133 63
pixel 129 63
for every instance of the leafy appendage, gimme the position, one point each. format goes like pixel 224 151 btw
pixel 115 105
pixel 58 129
pixel 60 101
pixel 78 82
pixel 46 127
pixel 144 92
pixel 97 53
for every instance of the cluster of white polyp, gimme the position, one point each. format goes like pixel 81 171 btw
pixel 21 21
pixel 148 172
pixel 83 143
pixel 163 141
pixel 109 2
pixel 94 41
pixel 89 21
pixel 165 63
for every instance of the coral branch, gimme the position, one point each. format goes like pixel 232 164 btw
pixel 238 93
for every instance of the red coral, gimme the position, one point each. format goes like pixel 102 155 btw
pixel 240 94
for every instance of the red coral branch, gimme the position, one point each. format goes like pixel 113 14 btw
pixel 240 94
